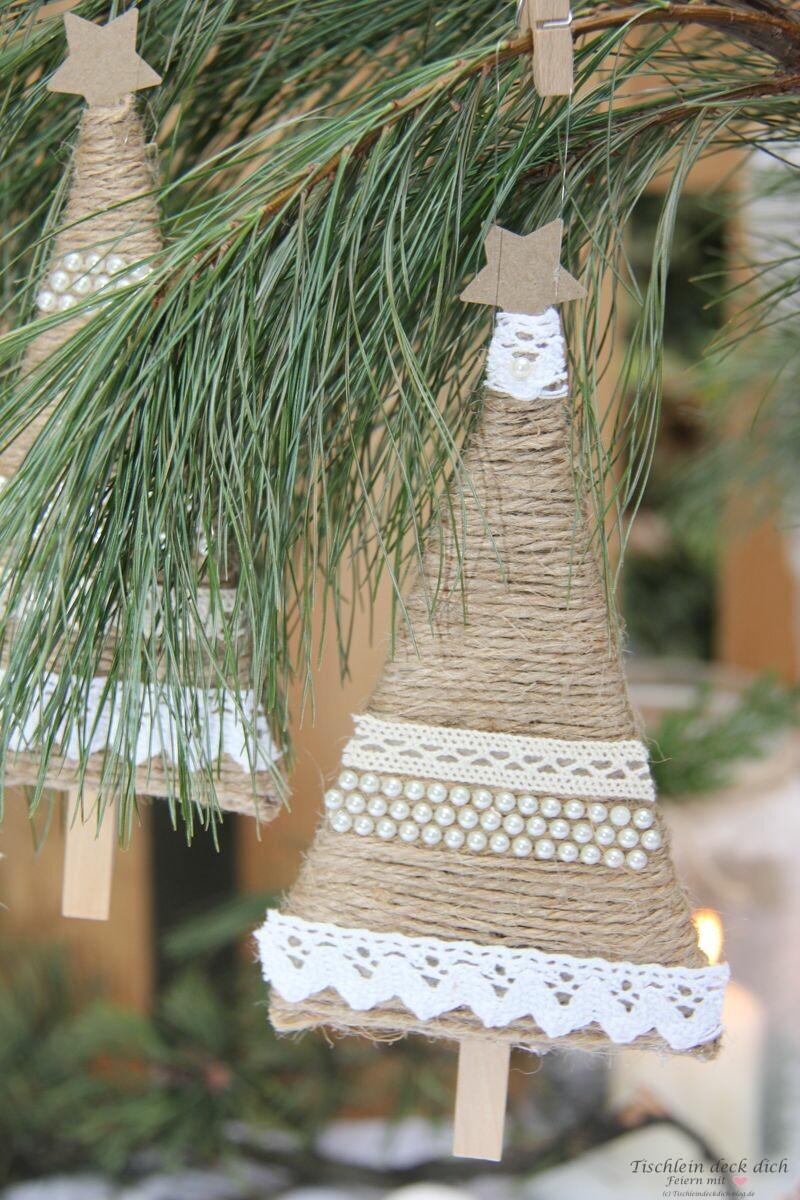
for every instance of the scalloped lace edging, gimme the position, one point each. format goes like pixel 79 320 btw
pixel 220 727
pixel 527 356
pixel 429 976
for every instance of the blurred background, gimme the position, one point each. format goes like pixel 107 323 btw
pixel 136 1059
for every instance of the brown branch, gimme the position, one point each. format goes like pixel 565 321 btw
pixel 754 27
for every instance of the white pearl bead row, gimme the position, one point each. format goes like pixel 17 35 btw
pixel 79 275
pixel 477 819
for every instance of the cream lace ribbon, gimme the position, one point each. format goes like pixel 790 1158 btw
pixel 564 768
pixel 558 992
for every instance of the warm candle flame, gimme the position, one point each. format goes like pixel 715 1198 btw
pixel 708 924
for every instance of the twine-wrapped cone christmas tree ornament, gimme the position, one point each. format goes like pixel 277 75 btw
pixel 109 238
pixel 492 864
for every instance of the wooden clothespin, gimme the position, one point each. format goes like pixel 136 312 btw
pixel 481 1090
pixel 88 859
pixel 550 23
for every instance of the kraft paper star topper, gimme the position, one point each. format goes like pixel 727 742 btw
pixel 103 65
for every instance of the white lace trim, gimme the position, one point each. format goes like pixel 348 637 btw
pixel 524 764
pixel 560 993
pixel 236 732
pixel 527 357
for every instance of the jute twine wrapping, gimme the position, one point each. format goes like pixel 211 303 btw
pixel 527 652
pixel 111 209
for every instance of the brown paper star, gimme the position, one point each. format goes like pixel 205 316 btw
pixel 523 274
pixel 103 64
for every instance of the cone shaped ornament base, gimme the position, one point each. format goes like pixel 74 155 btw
pixel 109 238
pixel 492 858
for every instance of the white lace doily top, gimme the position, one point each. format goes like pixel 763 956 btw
pixel 429 976
pixel 238 732
pixel 588 768
pixel 527 357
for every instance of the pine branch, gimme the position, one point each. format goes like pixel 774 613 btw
pixel 297 374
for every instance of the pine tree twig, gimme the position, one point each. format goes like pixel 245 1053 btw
pixel 778 36
pixel 783 85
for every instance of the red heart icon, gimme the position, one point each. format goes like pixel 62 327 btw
pixel 740 1180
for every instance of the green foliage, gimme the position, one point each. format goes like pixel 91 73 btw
pixel 86 1084
pixel 694 750
pixel 296 375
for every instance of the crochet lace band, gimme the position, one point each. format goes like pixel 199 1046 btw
pixel 220 727
pixel 559 993
pixel 564 768
pixel 527 357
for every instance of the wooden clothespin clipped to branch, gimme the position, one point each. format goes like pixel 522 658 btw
pixel 550 22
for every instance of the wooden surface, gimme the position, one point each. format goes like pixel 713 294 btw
pixel 118 953
pixel 552 48
pixel 481 1099
pixel 88 861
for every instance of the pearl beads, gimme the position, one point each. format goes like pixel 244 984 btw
pixel 455 817
pixel 636 860
pixel 79 273
pixel 409 831
pixel 582 832
pixel 333 799
pixel 521 367
pixel 513 824
pixel 431 835
pixel 605 835
pixel 341 821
